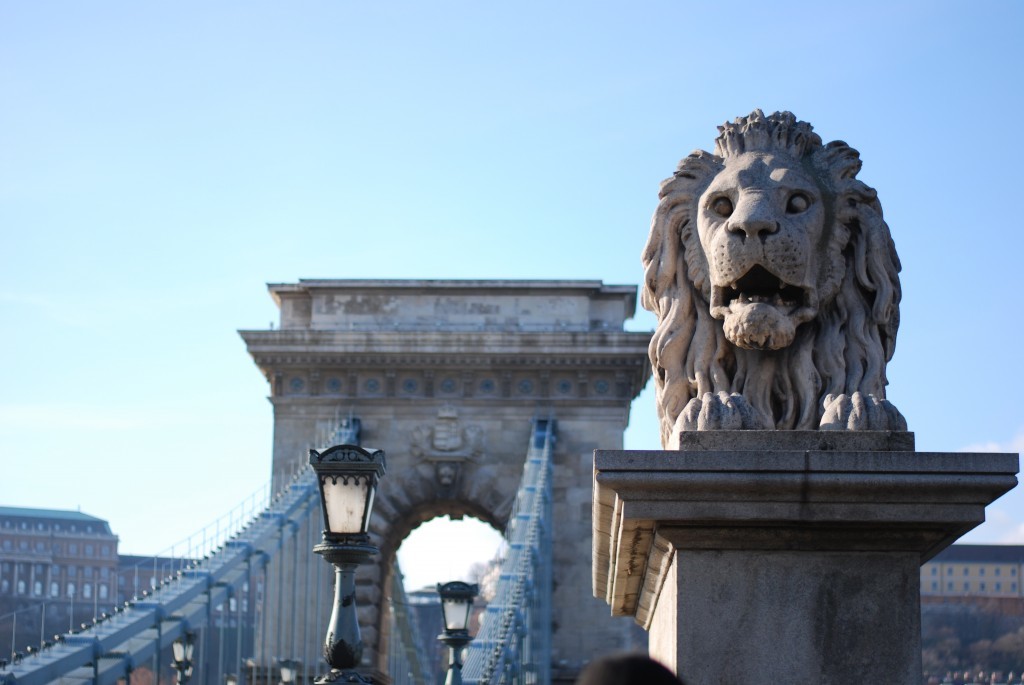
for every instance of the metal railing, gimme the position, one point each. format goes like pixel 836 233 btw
pixel 513 646
pixel 407 664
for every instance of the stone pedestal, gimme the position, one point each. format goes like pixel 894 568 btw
pixel 783 557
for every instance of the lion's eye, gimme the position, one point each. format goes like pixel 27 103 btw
pixel 722 206
pixel 798 202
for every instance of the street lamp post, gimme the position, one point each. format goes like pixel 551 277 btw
pixel 347 476
pixel 456 603
pixel 181 651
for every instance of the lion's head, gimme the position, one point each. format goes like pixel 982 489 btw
pixel 774 277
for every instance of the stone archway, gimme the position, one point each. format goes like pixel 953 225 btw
pixel 445 377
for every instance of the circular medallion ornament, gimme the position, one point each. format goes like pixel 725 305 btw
pixel 333 385
pixel 601 387
pixel 296 384
pixel 372 385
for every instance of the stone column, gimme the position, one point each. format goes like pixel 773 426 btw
pixel 783 556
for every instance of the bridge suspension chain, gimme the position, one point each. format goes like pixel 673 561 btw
pixel 513 646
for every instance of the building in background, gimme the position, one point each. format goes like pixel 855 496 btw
pixel 974 571
pixel 57 568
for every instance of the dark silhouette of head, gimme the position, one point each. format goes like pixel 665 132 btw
pixel 626 669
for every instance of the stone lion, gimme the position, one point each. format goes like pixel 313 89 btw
pixel 775 283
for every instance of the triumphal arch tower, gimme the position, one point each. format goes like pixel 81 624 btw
pixel 446 377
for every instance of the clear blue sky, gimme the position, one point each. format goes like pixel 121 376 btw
pixel 160 162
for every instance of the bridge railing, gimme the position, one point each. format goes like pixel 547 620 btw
pixel 407 664
pixel 513 645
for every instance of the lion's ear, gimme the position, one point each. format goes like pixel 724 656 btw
pixel 837 162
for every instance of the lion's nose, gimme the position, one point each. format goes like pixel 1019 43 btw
pixel 752 226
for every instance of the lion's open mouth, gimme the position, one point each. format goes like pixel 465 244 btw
pixel 760 286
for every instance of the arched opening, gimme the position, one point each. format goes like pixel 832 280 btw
pixel 443 549
pixel 438 550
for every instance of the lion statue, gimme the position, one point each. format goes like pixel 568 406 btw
pixel 775 283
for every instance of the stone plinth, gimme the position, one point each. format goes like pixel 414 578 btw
pixel 764 556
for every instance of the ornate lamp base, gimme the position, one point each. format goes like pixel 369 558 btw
pixel 346 676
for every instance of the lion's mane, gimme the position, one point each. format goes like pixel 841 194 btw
pixel 843 350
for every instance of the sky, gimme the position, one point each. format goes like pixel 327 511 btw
pixel 161 162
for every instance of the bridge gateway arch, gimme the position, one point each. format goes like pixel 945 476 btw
pixel 445 376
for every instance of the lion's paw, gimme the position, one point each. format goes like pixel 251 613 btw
pixel 720 411
pixel 861 412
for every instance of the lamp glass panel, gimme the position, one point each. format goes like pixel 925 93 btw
pixel 345 503
pixel 178 647
pixel 456 613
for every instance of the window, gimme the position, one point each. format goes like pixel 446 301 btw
pixel 87 591
pixel 21 587
pixel 89 551
pixel 935 569
pixel 71 590
pixel 104 551
pixel 1013 571
pixel 967 586
pixel 73 549
pixel 5 586
pixel 949 586
pixel 967 571
pixel 981 571
pixel 935 586
pixel 999 587
pixel 1013 587
pixel 998 570
pixel 103 591
pixel 54 589
pixel 104 572
pixel 37 588
pixel 981 587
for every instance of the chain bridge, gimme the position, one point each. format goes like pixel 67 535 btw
pixel 454 380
